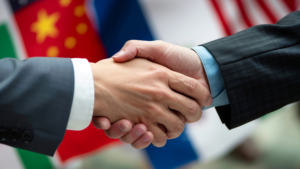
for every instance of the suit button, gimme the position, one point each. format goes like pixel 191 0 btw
pixel 14 134
pixel 27 136
pixel 3 133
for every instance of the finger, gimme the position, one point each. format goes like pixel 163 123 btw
pixel 159 136
pixel 187 107
pixel 136 132
pixel 119 129
pixel 144 141
pixel 191 88
pixel 174 124
pixel 101 122
pixel 179 115
pixel 143 49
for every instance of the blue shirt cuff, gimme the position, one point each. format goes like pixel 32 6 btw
pixel 215 78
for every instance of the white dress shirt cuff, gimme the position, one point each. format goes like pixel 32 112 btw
pixel 83 100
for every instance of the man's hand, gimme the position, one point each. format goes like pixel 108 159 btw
pixel 137 136
pixel 144 92
pixel 177 58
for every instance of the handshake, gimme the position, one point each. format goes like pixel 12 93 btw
pixel 156 87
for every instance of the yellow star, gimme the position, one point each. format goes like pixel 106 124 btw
pixel 64 3
pixel 45 26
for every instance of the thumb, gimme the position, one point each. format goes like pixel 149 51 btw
pixel 101 122
pixel 132 49
pixel 123 56
pixel 151 50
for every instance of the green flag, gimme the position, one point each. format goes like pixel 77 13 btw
pixel 6 45
pixel 10 47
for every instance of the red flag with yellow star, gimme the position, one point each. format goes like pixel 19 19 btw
pixel 61 28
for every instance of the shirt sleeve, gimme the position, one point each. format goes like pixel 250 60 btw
pixel 83 100
pixel 215 78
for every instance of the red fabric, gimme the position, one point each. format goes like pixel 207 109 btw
pixel 292 4
pixel 77 143
pixel 267 11
pixel 246 19
pixel 245 16
pixel 222 17
pixel 88 45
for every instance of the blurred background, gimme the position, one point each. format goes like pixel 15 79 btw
pixel 276 139
pixel 97 29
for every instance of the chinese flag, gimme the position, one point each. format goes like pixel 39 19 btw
pixel 61 28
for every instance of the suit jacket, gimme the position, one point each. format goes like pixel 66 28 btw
pixel 35 102
pixel 261 69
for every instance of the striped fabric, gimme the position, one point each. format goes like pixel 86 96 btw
pixel 237 15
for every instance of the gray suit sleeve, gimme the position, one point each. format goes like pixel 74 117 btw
pixel 35 101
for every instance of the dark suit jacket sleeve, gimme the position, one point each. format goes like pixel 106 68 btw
pixel 261 69
pixel 35 101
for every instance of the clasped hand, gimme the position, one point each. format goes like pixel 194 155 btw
pixel 148 95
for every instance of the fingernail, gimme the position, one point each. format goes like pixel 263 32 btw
pixel 124 128
pixel 120 53
pixel 146 139
pixel 139 131
pixel 209 101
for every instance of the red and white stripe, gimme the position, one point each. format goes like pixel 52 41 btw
pixel 236 15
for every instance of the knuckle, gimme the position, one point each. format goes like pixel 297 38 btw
pixel 157 70
pixel 192 85
pixel 206 95
pixel 177 130
pixel 152 67
pixel 160 141
pixel 130 43
pixel 160 94
pixel 164 48
pixel 160 73
pixel 193 108
pixel 180 127
pixel 160 42
pixel 154 110
pixel 195 118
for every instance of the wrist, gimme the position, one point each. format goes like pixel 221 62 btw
pixel 201 75
pixel 97 97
